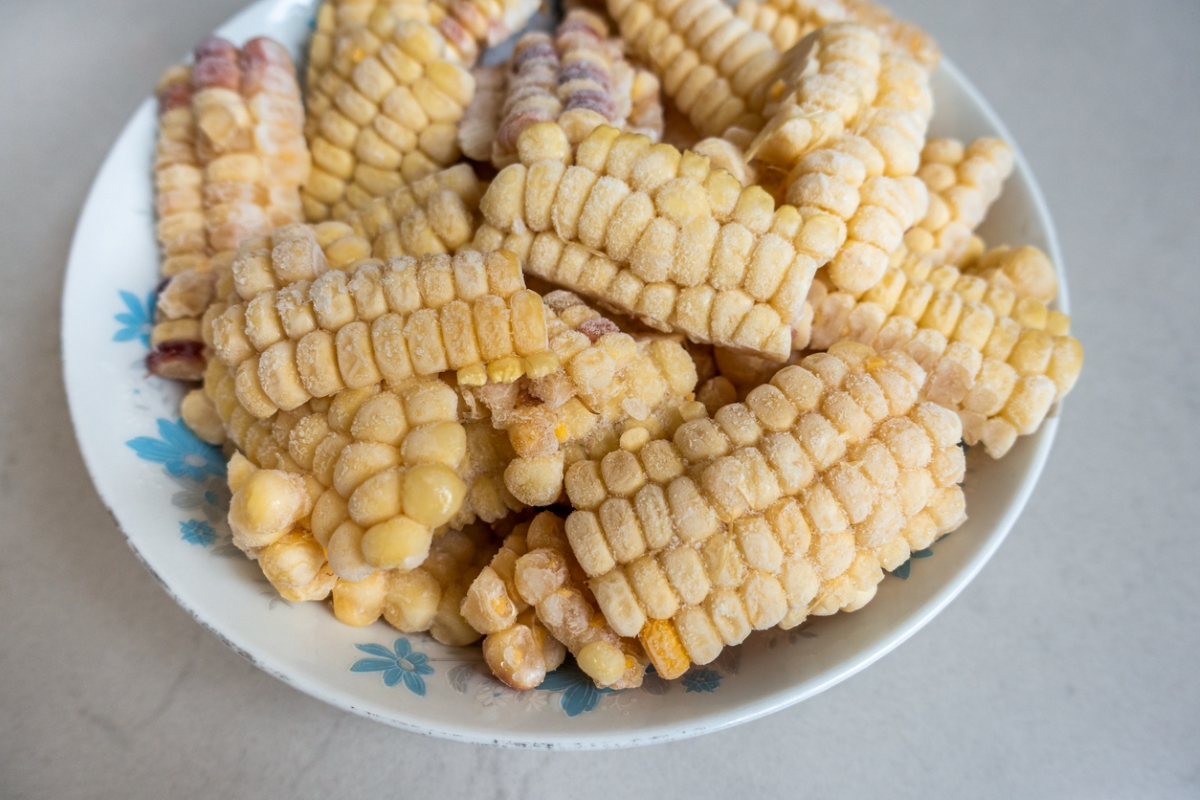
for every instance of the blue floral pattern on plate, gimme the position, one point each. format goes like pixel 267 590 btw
pixel 180 452
pixel 137 320
pixel 401 663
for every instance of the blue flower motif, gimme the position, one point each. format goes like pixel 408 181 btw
pixel 197 531
pixel 904 570
pixel 137 321
pixel 210 497
pixel 401 665
pixel 580 694
pixel 180 451
pixel 701 680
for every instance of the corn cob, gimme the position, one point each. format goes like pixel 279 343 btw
pixel 578 78
pixel 383 112
pixel 781 507
pixel 548 578
pixel 962 183
pixel 437 214
pixel 997 358
pixel 611 385
pixel 1026 270
pixel 230 158
pixel 655 233
pixel 385 323
pixel 716 69
pixel 787 21
pixel 868 179
pixel 832 77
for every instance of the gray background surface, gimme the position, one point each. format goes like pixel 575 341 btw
pixel 1067 669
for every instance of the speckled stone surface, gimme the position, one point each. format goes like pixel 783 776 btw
pixel 1067 669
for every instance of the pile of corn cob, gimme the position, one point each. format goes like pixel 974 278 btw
pixel 734 390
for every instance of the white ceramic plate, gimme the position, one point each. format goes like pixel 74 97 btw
pixel 166 491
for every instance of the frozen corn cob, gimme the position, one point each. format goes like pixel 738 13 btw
pixel 577 78
pixel 437 214
pixel 996 356
pixel 868 179
pixel 787 21
pixel 385 322
pixel 611 386
pixel 1025 270
pixel 383 112
pixel 962 184
pixel 831 78
pixel 657 234
pixel 481 117
pixel 713 65
pixel 786 505
pixel 548 578
pixel 231 157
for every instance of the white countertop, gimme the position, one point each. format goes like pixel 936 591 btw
pixel 1067 669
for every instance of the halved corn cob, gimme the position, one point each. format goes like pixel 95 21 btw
pixel 787 21
pixel 383 112
pixel 437 214
pixel 963 182
pixel 868 178
pixel 384 322
pixel 784 506
pixel 657 234
pixel 611 386
pixel 548 578
pixel 713 65
pixel 998 358
pixel 577 78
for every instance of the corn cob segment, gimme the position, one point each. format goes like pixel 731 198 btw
pixel 787 21
pixel 178 177
pixel 786 505
pixel 962 184
pixel 385 322
pixel 713 65
pixel 658 235
pixel 539 571
pixel 612 388
pixel 577 78
pixel 996 356
pixel 868 178
pixel 384 111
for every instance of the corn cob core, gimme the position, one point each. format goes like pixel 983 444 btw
pixel 657 234
pixel 784 506
pixel 383 112
pixel 611 386
pixel 787 21
pixel 829 79
pixel 962 183
pixel 384 322
pixel 997 358
pixel 539 571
